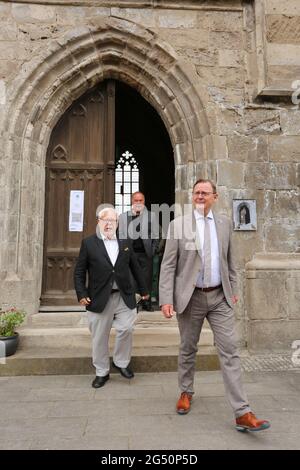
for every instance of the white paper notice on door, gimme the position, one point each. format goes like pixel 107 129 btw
pixel 76 211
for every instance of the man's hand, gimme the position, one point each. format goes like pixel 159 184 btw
pixel 167 310
pixel 234 299
pixel 145 297
pixel 85 301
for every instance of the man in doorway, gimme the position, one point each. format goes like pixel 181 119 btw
pixel 109 297
pixel 141 226
pixel 198 280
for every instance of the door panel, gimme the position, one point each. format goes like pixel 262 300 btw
pixel 80 156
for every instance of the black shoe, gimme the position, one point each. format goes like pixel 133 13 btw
pixel 100 381
pixel 125 371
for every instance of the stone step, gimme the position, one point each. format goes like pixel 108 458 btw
pixel 78 319
pixel 74 339
pixel 60 319
pixel 61 308
pixel 60 361
pixel 60 343
pixel 57 319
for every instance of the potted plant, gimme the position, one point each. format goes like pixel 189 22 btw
pixel 9 321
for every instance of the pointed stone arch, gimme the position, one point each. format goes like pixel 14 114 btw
pixel 51 81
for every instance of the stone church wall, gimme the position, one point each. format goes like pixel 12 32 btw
pixel 245 57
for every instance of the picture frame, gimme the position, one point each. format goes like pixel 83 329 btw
pixel 244 214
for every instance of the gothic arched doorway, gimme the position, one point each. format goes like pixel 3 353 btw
pixel 141 132
pixel 104 123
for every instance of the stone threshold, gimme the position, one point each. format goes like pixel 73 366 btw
pixel 31 361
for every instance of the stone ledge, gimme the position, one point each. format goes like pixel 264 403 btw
pixel 60 363
pixel 165 4
pixel 274 261
pixel 61 308
pixel 68 319
pixel 79 338
pixel 275 92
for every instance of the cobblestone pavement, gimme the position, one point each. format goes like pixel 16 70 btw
pixel 65 412
pixel 271 362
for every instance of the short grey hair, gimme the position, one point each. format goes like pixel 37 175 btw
pixel 104 208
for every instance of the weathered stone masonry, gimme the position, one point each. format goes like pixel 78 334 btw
pixel 219 73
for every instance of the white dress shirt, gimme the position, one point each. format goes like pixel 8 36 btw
pixel 112 248
pixel 215 260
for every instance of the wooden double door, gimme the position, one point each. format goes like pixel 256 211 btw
pixel 80 162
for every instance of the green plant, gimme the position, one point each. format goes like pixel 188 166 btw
pixel 10 320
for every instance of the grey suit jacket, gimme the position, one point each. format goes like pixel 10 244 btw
pixel 181 262
pixel 149 229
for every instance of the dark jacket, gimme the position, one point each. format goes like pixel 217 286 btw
pixel 94 260
pixel 149 229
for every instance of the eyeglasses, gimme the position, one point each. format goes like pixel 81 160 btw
pixel 202 193
pixel 108 221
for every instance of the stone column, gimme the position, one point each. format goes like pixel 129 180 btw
pixel 273 301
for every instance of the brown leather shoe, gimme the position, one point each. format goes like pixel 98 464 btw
pixel 184 403
pixel 249 422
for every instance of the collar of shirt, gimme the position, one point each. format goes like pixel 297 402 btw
pixel 106 239
pixel 200 216
pixel 134 213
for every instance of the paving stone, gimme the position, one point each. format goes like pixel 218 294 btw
pixel 140 414
pixel 287 402
pixel 90 408
pixel 111 425
pixel 28 382
pixel 45 427
pixel 86 443
pixel 127 392
pixel 64 394
pixel 176 441
pixel 24 411
pixel 15 444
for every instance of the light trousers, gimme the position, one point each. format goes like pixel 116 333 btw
pixel 116 314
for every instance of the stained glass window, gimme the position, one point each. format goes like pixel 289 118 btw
pixel 126 181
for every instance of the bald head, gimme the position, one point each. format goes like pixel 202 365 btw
pixel 138 202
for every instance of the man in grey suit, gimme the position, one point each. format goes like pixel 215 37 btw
pixel 198 281
pixel 141 226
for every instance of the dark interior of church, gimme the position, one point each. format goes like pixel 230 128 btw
pixel 140 130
